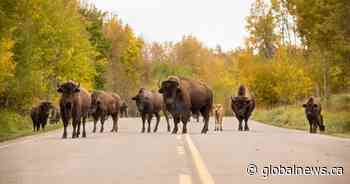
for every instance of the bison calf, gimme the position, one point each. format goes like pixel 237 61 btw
pixel 184 96
pixel 242 105
pixel 150 103
pixel 124 109
pixel 40 114
pixel 74 104
pixel 219 115
pixel 104 104
pixel 313 115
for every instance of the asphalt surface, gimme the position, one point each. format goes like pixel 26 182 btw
pixel 161 158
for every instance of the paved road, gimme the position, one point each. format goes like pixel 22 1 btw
pixel 132 157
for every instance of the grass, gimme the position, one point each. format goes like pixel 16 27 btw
pixel 14 125
pixel 336 116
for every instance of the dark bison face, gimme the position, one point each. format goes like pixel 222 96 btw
pixel 311 109
pixel 68 88
pixel 241 105
pixel 45 107
pixel 142 101
pixel 169 89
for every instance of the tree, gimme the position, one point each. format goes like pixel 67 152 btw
pixel 261 27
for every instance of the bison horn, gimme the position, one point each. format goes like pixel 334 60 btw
pixel 159 83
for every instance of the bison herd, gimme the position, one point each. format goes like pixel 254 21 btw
pixel 180 97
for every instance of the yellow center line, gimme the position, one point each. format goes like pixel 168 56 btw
pixel 203 172
pixel 185 179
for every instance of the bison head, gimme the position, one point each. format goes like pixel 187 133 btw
pixel 311 109
pixel 170 88
pixel 68 88
pixel 142 100
pixel 45 107
pixel 241 105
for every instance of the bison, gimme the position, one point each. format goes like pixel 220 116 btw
pixel 184 96
pixel 55 115
pixel 218 115
pixel 74 104
pixel 40 114
pixel 313 114
pixel 242 105
pixel 124 109
pixel 104 104
pixel 150 103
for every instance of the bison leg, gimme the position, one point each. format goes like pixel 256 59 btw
pixel 95 122
pixel 74 124
pixel 167 120
pixel 321 125
pixel 246 128
pixel 311 126
pixel 34 127
pixel 143 116
pixel 205 113
pixel 115 122
pixel 149 119
pixel 65 125
pixel 78 128
pixel 176 123
pixel 103 118
pixel 84 121
pixel 184 120
pixel 157 123
pixel 42 125
pixel 240 122
pixel 221 124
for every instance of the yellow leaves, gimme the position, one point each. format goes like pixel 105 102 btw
pixel 7 64
pixel 279 80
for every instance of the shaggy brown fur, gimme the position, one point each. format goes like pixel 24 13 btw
pixel 150 103
pixel 242 105
pixel 313 115
pixel 74 104
pixel 104 104
pixel 184 96
pixel 40 114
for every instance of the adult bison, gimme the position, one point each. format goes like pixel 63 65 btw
pixel 40 114
pixel 242 105
pixel 313 114
pixel 74 104
pixel 184 96
pixel 104 104
pixel 218 115
pixel 150 103
pixel 124 109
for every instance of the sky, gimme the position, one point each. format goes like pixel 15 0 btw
pixel 214 22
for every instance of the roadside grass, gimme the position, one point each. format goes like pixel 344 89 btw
pixel 14 125
pixel 336 116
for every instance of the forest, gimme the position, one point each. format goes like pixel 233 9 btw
pixel 295 49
